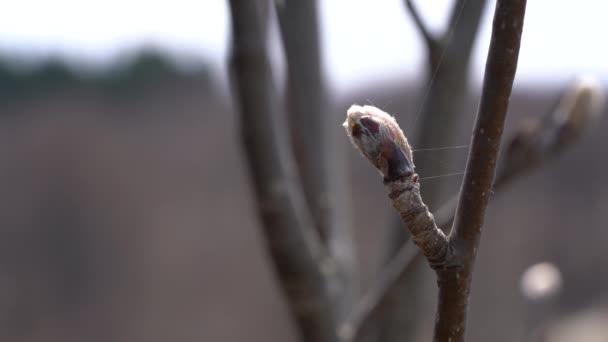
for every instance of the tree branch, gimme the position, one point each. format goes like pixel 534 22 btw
pixel 379 138
pixel 454 286
pixel 462 28
pixel 540 140
pixel 306 105
pixel 294 245
pixel 446 90
pixel 534 144
pixel 381 141
pixel 432 44
pixel 318 168
pixel 355 324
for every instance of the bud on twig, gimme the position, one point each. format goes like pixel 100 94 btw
pixel 378 137
pixel 539 139
pixel 581 104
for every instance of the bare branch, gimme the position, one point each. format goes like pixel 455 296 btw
pixel 381 141
pixel 537 141
pixel 295 247
pixel 445 92
pixel 454 286
pixel 306 105
pixel 431 42
pixel 534 144
pixel 317 165
pixel 462 29
pixel 356 322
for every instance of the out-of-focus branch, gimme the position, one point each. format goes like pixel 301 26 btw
pixel 537 141
pixel 540 140
pixel 264 12
pixel 306 103
pixel 431 42
pixel 354 325
pixel 320 171
pixel 294 245
pixel 447 82
pixel 501 65
pixel 462 30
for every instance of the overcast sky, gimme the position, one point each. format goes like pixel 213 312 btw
pixel 362 39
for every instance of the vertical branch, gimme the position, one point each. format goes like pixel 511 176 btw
pixel 319 169
pixel 454 286
pixel 294 245
pixel 379 138
pixel 306 103
pixel 448 59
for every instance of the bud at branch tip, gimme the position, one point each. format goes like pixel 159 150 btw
pixel 379 138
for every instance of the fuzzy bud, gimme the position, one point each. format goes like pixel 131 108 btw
pixel 581 104
pixel 378 137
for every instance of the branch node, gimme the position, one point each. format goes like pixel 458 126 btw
pixel 431 42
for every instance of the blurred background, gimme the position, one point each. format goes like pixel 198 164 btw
pixel 125 208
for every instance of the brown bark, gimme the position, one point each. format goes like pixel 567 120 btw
pixel 534 143
pixel 454 286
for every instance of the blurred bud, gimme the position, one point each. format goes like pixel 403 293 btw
pixel 541 281
pixel 581 104
pixel 378 136
pixel 527 130
pixel 536 139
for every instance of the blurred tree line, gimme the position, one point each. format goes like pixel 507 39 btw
pixel 124 77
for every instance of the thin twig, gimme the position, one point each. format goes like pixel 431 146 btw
pixel 356 322
pixel 381 141
pixel 379 138
pixel 501 65
pixel 306 103
pixel 294 245
pixel 462 28
pixel 432 44
pixel 537 141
